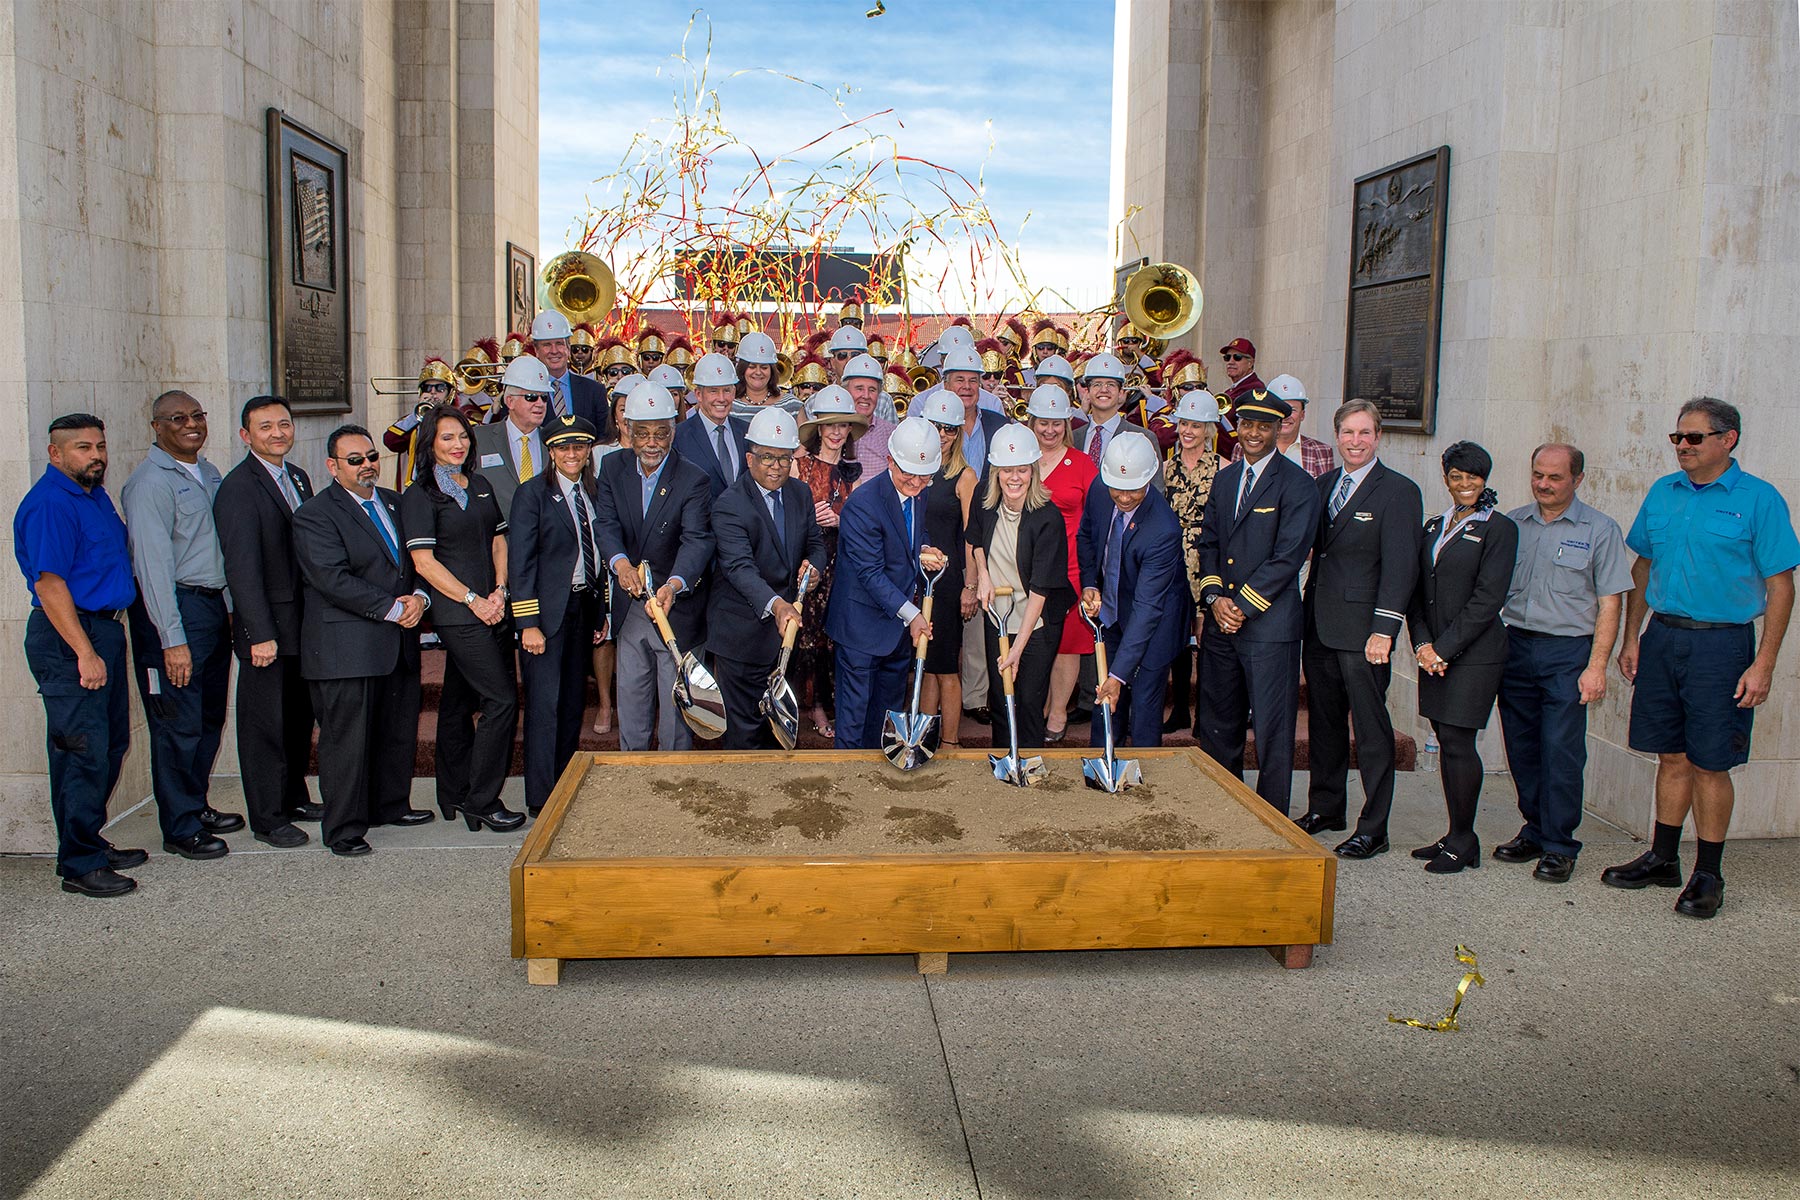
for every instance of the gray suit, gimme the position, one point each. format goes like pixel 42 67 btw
pixel 494 442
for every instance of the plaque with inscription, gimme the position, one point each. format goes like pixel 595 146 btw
pixel 1397 289
pixel 309 268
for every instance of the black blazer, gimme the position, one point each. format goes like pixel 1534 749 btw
pixel 693 441
pixel 752 567
pixel 1256 560
pixel 462 540
pixel 256 536
pixel 675 536
pixel 588 400
pixel 1366 562
pixel 1043 555
pixel 1456 604
pixel 542 553
pixel 351 583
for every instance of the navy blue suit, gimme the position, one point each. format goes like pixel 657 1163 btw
pixel 1253 558
pixel 694 442
pixel 877 575
pixel 1146 631
pixel 587 399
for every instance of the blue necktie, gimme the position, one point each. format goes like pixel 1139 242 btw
pixel 387 539
pixel 906 509
pixel 780 517
pixel 1109 595
pixel 1343 495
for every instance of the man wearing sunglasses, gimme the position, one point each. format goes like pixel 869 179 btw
pixel 436 385
pixel 1716 549
pixel 1240 372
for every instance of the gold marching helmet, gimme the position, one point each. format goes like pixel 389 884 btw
pixel 877 348
pixel 1161 300
pixel 578 285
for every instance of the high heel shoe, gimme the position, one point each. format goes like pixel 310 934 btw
pixel 1449 862
pixel 449 810
pixel 1427 853
pixel 501 820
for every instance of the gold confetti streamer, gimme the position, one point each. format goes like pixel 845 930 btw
pixel 1447 1023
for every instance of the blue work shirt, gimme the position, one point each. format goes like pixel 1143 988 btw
pixel 62 529
pixel 1711 548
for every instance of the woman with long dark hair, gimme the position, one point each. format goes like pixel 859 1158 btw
pixel 829 467
pixel 457 539
pixel 947 503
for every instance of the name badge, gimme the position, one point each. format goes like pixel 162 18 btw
pixel 1469 537
pixel 1271 508
pixel 490 460
pixel 1368 516
pixel 1572 544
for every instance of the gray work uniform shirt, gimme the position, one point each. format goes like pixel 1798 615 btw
pixel 1563 568
pixel 169 518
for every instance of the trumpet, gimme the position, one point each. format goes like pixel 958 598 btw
pixel 784 369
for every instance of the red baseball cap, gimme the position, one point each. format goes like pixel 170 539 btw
pixel 1238 346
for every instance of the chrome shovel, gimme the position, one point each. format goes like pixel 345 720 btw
pixel 1107 773
pixel 695 691
pixel 779 705
pixel 908 739
pixel 1009 768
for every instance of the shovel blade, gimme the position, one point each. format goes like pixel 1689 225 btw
pixel 782 709
pixel 909 741
pixel 1114 776
pixel 698 700
pixel 1020 772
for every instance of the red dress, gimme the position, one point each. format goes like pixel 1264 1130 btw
pixel 1068 481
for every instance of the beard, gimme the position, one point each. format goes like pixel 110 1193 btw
pixel 93 477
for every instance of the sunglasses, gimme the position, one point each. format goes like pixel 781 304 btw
pixel 942 428
pixel 1237 358
pixel 441 388
pixel 1693 439
pixel 357 460
pixel 843 355
pixel 993 375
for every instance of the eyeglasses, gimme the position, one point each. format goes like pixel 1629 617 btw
pixel 1236 357
pixel 1694 439
pixel 357 460
pixel 773 460
pixel 179 419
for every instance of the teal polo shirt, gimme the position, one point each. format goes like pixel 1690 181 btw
pixel 1712 547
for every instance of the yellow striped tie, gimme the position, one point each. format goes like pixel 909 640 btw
pixel 526 470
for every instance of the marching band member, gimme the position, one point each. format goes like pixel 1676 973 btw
pixel 613 361
pixel 436 385
pixel 724 337
pixel 581 350
pixel 651 347
pixel 809 376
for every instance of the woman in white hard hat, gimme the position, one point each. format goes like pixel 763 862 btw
pixel 1067 474
pixel 947 504
pixel 1020 541
pixel 830 468
pixel 1188 478
pixel 756 388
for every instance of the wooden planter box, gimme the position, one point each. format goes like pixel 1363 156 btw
pixel 653 897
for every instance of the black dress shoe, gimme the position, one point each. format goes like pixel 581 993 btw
pixel 1427 853
pixel 118 859
pixel 1313 822
pixel 1180 722
pixel 501 820
pixel 306 812
pixel 1449 862
pixel 201 845
pixel 1553 867
pixel 214 821
pixel 1520 849
pixel 412 816
pixel 981 716
pixel 351 847
pixel 104 881
pixel 1644 870
pixel 1362 845
pixel 283 837
pixel 1702 896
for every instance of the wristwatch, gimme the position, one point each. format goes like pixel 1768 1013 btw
pixel 470 597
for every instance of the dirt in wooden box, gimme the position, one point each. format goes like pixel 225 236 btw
pixel 850 808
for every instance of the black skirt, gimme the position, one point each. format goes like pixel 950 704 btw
pixel 1463 695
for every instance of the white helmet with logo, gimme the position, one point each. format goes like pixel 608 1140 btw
pixel 715 370
pixel 1197 405
pixel 961 359
pixel 649 402
pixel 847 337
pixel 1129 463
pixel 549 325
pixel 943 408
pixel 1055 367
pixel 757 347
pixel 915 447
pixel 626 383
pixel 956 337
pixel 1014 446
pixel 1050 402
pixel 669 377
pixel 775 429
pixel 527 374
pixel 1102 366
pixel 862 366
pixel 1288 388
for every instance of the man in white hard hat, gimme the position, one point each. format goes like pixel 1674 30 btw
pixel 767 538
pixel 1259 525
pixel 512 451
pixel 962 382
pixel 862 378
pixel 570 394
pixel 952 343
pixel 1313 456
pixel 847 341
pixel 1132 580
pixel 653 507
pixel 711 438
pixel 872 617
pixel 1105 376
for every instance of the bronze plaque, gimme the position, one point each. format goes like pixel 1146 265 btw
pixel 1397 289
pixel 309 268
pixel 521 289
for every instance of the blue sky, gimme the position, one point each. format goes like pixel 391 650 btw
pixel 1035 79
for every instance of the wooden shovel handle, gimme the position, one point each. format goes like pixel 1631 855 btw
pixel 1100 658
pixel 792 632
pixel 1006 677
pixel 656 610
pixel 925 611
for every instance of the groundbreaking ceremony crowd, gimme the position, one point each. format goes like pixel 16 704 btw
pixel 586 507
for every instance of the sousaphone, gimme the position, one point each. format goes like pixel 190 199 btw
pixel 578 285
pixel 1162 301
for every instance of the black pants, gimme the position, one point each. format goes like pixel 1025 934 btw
pixel 1545 725
pixel 741 686
pixel 1459 762
pixel 274 739
pixel 368 737
pixel 1245 684
pixel 86 733
pixel 555 692
pixel 1345 691
pixel 473 755
pixel 186 723
pixel 1031 688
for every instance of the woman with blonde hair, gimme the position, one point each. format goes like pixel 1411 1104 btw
pixel 1066 473
pixel 1188 475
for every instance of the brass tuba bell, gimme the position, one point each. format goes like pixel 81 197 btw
pixel 578 285
pixel 1162 300
pixel 784 369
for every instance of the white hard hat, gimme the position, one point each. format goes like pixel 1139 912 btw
pixel 1197 406
pixel 1288 388
pixel 961 358
pixel 715 370
pixel 669 377
pixel 830 399
pixel 862 367
pixel 649 402
pixel 956 337
pixel 1048 400
pixel 1103 366
pixel 773 428
pixel 1129 463
pixel 757 347
pixel 943 408
pixel 847 337
pixel 915 448
pixel 549 325
pixel 527 374
pixel 1055 367
pixel 1013 446
pixel 626 383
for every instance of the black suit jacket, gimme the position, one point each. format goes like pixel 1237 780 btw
pixel 675 536
pixel 1456 604
pixel 693 441
pixel 1366 562
pixel 588 399
pixel 1255 560
pixel 752 567
pixel 351 583
pixel 542 553
pixel 256 536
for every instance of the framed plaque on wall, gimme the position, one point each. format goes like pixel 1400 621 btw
pixel 1397 289
pixel 309 268
pixel 521 289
